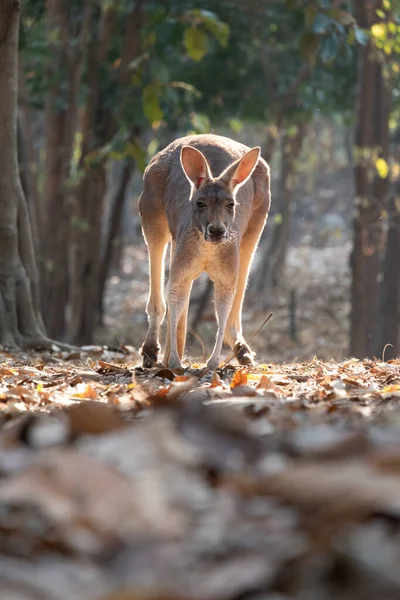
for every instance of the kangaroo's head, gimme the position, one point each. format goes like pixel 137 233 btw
pixel 214 199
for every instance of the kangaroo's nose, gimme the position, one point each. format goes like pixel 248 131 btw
pixel 216 231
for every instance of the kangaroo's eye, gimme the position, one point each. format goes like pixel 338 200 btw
pixel 200 205
pixel 231 205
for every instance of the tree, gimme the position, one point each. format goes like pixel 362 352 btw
pixel 372 186
pixel 107 79
pixel 300 62
pixel 20 321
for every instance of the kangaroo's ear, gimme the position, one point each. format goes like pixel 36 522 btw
pixel 239 172
pixel 195 166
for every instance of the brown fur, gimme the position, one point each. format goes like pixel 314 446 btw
pixel 220 237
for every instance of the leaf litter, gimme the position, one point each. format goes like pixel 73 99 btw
pixel 118 483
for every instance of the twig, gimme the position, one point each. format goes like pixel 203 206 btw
pixel 384 350
pixel 248 341
pixel 198 338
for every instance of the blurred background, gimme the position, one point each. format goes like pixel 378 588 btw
pixel 104 85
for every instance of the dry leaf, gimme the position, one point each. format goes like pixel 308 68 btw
pixel 266 384
pixel 216 381
pixel 87 392
pixel 108 368
pixel 93 417
pixel 392 389
pixel 165 374
pixel 239 378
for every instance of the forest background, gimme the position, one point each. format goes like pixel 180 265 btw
pixel 102 86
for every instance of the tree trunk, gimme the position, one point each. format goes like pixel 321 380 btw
pixel 371 140
pixel 272 264
pixel 117 207
pixel 85 252
pixel 20 323
pixel 60 127
pixel 87 209
pixel 390 287
pixel 28 156
pixel 53 209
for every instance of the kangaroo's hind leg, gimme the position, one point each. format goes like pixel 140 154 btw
pixel 156 234
pixel 182 324
pixel 233 333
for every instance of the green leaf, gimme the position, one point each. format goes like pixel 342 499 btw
pixel 379 30
pixel 329 49
pixel 151 105
pixel 278 219
pixel 135 150
pixel 211 21
pixel 152 148
pixel 201 123
pixel 236 125
pixel 196 43
pixel 382 167
pixel 361 36
pixel 321 24
pixel 351 37
pixel 343 17
pixel 219 30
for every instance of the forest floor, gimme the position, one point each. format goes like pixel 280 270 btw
pixel 268 483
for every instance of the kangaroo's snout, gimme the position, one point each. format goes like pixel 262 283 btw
pixel 216 233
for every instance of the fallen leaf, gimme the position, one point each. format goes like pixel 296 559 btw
pixel 391 389
pixel 216 381
pixel 266 384
pixel 93 418
pixel 239 378
pixel 165 374
pixel 87 392
pixel 108 368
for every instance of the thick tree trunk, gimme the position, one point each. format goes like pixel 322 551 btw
pixel 114 227
pixel 372 137
pixel 272 265
pixel 390 287
pixel 20 323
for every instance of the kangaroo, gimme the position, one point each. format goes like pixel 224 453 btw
pixel 209 196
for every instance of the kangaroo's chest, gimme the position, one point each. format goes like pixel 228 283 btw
pixel 193 256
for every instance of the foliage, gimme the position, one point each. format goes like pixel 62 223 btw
pixel 197 68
